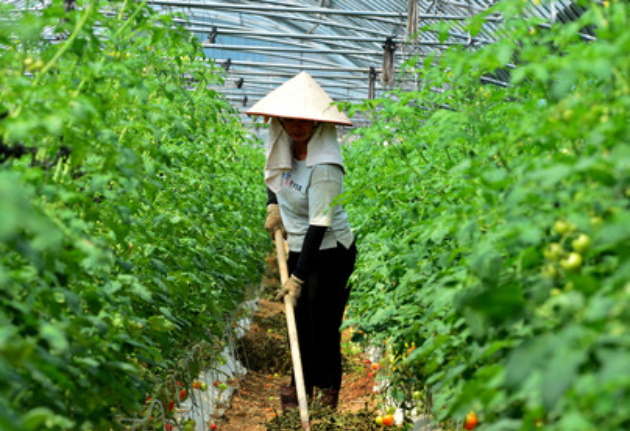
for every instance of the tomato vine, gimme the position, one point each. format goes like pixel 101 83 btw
pixel 117 235
pixel 456 189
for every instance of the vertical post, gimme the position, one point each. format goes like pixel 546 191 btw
pixel 372 83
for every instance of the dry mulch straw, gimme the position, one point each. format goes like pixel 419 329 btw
pixel 326 419
pixel 265 351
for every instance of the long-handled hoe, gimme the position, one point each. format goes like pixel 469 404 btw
pixel 293 339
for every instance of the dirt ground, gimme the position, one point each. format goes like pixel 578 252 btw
pixel 264 351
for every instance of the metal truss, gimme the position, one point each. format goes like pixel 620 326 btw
pixel 341 43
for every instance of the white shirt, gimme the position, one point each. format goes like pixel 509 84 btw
pixel 305 199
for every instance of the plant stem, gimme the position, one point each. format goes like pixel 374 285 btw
pixel 68 43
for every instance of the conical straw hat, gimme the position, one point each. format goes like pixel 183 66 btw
pixel 300 98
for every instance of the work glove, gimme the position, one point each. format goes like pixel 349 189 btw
pixel 293 288
pixel 274 221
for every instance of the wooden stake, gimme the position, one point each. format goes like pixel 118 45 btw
pixel 293 338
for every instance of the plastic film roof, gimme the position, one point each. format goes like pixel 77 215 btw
pixel 262 43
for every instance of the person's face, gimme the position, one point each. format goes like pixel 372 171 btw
pixel 299 130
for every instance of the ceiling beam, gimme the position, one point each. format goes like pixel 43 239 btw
pixel 373 14
pixel 305 50
pixel 299 67
pixel 223 28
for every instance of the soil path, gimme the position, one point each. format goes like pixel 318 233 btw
pixel 265 353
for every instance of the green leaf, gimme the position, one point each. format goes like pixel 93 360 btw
pixel 55 336
pixel 524 359
pixel 559 374
pixel 43 418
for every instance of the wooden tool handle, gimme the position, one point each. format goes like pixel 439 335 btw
pixel 293 338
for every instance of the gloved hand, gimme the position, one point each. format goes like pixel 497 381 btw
pixel 274 221
pixel 293 288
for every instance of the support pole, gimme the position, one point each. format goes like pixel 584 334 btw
pixel 293 338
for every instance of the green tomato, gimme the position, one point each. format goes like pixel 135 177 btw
pixel 203 386
pixel 189 427
pixel 391 410
pixel 379 421
pixel 581 243
pixel 553 251
pixel 417 395
pixel 549 271
pixel 222 386
pixel 563 227
pixel 572 262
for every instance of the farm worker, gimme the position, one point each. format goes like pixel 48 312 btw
pixel 304 174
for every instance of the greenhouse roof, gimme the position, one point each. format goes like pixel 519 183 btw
pixel 262 43
pixel 341 43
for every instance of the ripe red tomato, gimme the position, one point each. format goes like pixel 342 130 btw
pixel 171 405
pixel 168 426
pixel 471 421
pixel 375 366
pixel 370 374
pixel 182 394
pixel 388 420
pixel 213 427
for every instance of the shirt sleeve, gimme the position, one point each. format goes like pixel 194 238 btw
pixel 271 197
pixel 326 185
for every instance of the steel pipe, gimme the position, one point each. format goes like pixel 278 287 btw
pixel 251 100
pixel 318 11
pixel 271 73
pixel 298 58
pixel 330 38
pixel 306 50
pixel 273 12
pixel 296 66
pixel 344 26
pixel 327 37
pixel 334 84
pixel 251 94
pixel 268 86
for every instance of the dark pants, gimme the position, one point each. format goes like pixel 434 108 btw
pixel 319 314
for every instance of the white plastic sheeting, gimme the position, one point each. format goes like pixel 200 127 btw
pixel 205 406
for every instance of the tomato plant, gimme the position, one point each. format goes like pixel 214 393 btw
pixel 467 199
pixel 122 181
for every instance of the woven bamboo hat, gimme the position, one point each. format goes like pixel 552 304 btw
pixel 300 98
